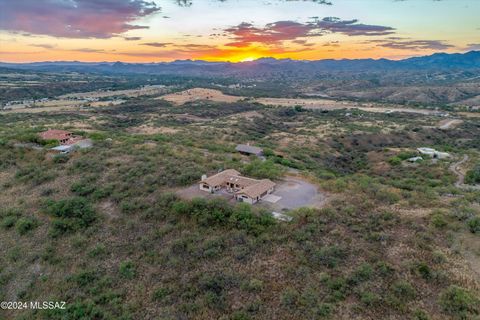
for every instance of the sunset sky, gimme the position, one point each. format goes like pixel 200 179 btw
pixel 234 30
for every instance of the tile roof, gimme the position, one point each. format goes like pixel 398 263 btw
pixel 243 182
pixel 251 187
pixel 221 177
pixel 257 189
pixel 52 134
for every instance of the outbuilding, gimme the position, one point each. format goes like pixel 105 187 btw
pixel 249 150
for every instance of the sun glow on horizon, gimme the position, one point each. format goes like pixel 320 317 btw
pixel 248 59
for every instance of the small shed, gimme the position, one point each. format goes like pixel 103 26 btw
pixel 249 150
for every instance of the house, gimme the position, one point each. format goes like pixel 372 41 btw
pixel 61 136
pixel 249 150
pixel 256 192
pixel 243 188
pixel 65 138
pixel 433 153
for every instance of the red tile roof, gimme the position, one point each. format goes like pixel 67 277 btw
pixel 55 135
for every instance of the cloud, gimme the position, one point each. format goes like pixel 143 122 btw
pixel 274 33
pixel 88 50
pixel 156 44
pixel 245 33
pixel 473 47
pixel 303 43
pixel 43 45
pixel 408 44
pixel 132 38
pixel 352 27
pixel 74 18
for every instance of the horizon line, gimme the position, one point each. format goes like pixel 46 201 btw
pixel 237 62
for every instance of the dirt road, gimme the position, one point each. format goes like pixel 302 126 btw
pixel 450 123
pixel 455 168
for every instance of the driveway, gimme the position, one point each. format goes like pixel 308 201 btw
pixel 296 193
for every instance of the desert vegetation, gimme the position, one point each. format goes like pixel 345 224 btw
pixel 103 229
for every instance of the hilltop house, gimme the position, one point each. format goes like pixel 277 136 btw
pixel 433 153
pixel 62 136
pixel 249 150
pixel 244 189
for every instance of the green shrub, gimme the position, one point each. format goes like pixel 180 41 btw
pixel 338 288
pixel 384 269
pixel 462 212
pixel 403 291
pixel 473 176
pixel 328 256
pixel 34 175
pixel 395 161
pixel 438 220
pixel 420 315
pixel 404 155
pixel 220 212
pixel 127 269
pixel 70 214
pixel 289 297
pixel 243 218
pixel 240 315
pixel 459 302
pixel 26 224
pixel 474 225
pixel 97 136
pixel 253 285
pixel 8 222
pixel 324 309
pixel 160 294
pixel 61 158
pixel 361 274
pixel 85 278
pixel 263 169
pixel 424 270
pixel 370 298
pixel 98 250
pixel 83 187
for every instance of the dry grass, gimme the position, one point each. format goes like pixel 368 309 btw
pixel 198 94
pixel 146 129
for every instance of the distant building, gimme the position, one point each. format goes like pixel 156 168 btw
pixel 249 150
pixel 433 153
pixel 244 189
pixel 61 136
pixel 65 138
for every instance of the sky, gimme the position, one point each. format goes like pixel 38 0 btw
pixel 234 30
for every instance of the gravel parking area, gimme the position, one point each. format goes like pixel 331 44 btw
pixel 296 193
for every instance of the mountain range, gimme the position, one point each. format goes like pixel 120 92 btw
pixel 469 61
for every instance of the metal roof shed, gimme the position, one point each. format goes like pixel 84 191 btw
pixel 243 148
